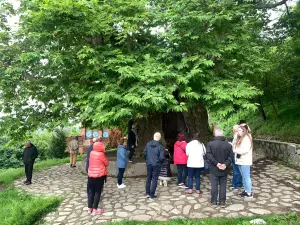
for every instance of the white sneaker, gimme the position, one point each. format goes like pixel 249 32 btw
pixel 121 186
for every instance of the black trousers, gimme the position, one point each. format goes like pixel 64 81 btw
pixel 28 171
pixel 152 177
pixel 217 181
pixel 120 175
pixel 95 186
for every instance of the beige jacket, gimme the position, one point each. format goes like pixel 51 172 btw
pixel 73 146
pixel 245 151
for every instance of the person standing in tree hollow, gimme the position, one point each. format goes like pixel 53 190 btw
pixel 30 153
pixel 74 148
pixel 132 142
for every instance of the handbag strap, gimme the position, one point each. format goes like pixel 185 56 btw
pixel 181 148
pixel 204 153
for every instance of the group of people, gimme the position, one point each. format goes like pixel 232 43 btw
pixel 190 158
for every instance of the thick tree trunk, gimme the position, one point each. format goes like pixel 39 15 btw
pixel 145 130
pixel 196 120
pixel 170 124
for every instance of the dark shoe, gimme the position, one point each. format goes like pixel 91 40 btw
pixel 248 195
pixel 73 166
pixel 243 194
pixel 28 183
pixel 222 204
pixel 25 181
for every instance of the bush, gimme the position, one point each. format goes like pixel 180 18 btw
pixel 10 157
pixel 58 145
pixel 42 141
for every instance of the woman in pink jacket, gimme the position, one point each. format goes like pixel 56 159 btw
pixel 96 177
pixel 180 159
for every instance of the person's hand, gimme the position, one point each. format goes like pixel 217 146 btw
pixel 132 146
pixel 223 166
pixel 219 165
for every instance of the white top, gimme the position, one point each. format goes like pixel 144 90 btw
pixel 195 151
pixel 245 150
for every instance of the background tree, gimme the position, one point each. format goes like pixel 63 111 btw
pixel 161 63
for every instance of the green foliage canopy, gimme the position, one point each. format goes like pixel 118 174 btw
pixel 103 62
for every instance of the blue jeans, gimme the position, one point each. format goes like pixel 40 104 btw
pixel 120 175
pixel 182 173
pixel 131 152
pixel 245 171
pixel 152 177
pixel 194 172
pixel 237 179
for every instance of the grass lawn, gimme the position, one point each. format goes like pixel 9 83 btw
pixel 7 176
pixel 19 208
pixel 289 219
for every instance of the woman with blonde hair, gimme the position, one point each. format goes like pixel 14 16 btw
pixel 243 148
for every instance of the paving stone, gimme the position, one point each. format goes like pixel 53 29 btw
pixel 175 211
pixel 122 214
pixel 141 217
pixel 186 209
pixel 259 211
pixel 271 197
pixel 235 207
pixel 129 208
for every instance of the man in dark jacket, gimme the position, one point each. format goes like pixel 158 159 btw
pixel 219 155
pixel 29 155
pixel 132 142
pixel 154 154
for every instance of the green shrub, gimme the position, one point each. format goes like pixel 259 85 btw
pixel 42 141
pixel 10 157
pixel 58 144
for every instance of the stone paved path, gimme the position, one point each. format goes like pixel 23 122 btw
pixel 275 191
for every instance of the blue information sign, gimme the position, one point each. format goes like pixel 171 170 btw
pixel 95 134
pixel 105 134
pixel 88 134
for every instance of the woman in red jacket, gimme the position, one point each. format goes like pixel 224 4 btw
pixel 180 159
pixel 96 177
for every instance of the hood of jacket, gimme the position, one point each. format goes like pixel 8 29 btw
pixel 181 144
pixel 99 147
pixel 154 144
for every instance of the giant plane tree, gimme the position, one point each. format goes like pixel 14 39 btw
pixel 165 64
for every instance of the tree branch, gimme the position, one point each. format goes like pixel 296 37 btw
pixel 271 5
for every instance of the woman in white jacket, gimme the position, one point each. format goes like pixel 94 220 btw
pixel 195 150
pixel 243 148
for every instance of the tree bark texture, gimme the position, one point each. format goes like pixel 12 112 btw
pixel 195 120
